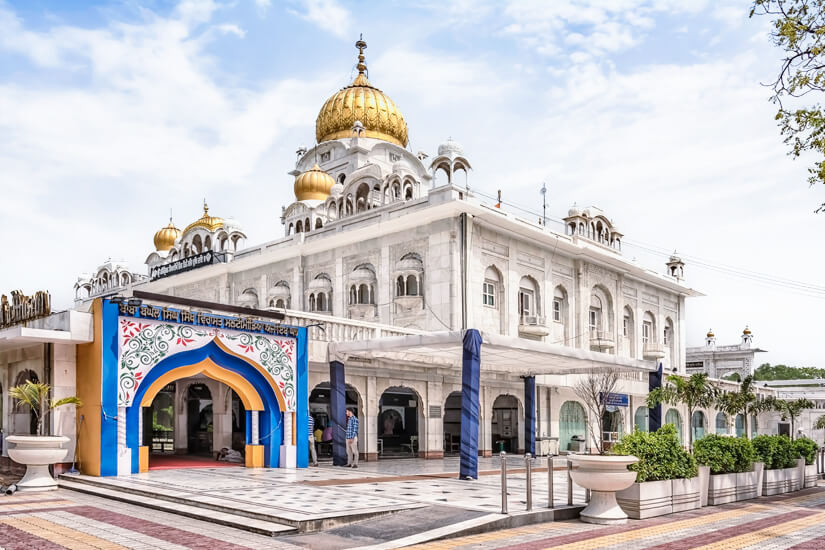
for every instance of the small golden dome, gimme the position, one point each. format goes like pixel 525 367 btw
pixel 314 184
pixel 166 237
pixel 210 223
pixel 710 333
pixel 361 102
pixel 746 331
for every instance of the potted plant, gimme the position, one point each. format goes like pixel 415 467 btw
pixel 806 448
pixel 603 475
pixel 733 473
pixel 38 452
pixel 780 459
pixel 666 475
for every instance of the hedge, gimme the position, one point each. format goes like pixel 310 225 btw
pixel 724 455
pixel 660 455
pixel 776 451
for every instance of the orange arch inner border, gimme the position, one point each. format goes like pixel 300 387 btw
pixel 246 391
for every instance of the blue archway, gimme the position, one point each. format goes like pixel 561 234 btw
pixel 270 419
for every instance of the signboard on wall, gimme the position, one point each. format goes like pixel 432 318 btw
pixel 24 308
pixel 616 399
pixel 182 265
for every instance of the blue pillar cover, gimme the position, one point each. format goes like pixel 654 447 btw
pixel 654 421
pixel 338 412
pixel 530 414
pixel 470 378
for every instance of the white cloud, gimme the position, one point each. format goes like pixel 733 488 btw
pixel 328 15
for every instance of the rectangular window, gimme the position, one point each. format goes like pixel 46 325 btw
pixel 525 302
pixel 647 328
pixel 665 337
pixel 625 323
pixel 489 294
pixel 594 319
pixel 557 311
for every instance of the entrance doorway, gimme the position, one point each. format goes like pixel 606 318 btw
pixel 319 403
pixel 398 423
pixel 504 427
pixel 452 424
pixel 199 425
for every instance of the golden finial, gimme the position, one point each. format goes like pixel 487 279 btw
pixel 361 45
pixel 205 208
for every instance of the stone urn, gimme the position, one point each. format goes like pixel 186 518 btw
pixel 37 453
pixel 603 475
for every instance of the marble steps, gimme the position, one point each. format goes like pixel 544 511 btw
pixel 228 518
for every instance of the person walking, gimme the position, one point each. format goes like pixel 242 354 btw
pixel 312 454
pixel 352 440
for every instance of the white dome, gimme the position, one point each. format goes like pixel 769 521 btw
pixel 450 148
pixel 574 211
pixel 362 274
pixel 409 264
pixel 319 283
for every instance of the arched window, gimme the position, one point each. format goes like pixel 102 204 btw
pixel 363 294
pixel 299 227
pixel 559 304
pixel 740 425
pixel 721 423
pixel 629 332
pixel 673 417
pixel 312 302
pixel 412 285
pixel 572 422
pixel 353 295
pixel 641 419
pixel 279 304
pixel 322 301
pixel 754 426
pixel 400 286
pixel 528 298
pixel 698 425
pixel 648 328
pixel 318 223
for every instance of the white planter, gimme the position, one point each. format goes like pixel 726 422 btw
pixel 37 453
pixel 722 489
pixel 647 500
pixel 747 483
pixel 704 485
pixel 776 481
pixel 810 475
pixel 603 475
pixel 687 494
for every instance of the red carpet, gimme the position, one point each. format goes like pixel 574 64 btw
pixel 174 462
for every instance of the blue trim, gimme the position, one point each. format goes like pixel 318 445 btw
pixel 337 412
pixel 530 415
pixel 249 427
pixel 267 418
pixel 108 383
pixel 470 383
pixel 301 391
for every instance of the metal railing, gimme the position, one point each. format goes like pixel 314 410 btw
pixel 528 468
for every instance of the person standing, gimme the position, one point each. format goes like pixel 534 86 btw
pixel 312 454
pixel 352 440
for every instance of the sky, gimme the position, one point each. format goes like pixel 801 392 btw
pixel 113 114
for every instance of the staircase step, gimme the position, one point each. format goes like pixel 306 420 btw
pixel 253 525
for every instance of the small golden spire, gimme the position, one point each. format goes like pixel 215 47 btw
pixel 361 45
pixel 205 208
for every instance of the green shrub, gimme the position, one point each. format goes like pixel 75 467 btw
pixel 660 455
pixel 776 451
pixel 805 448
pixel 724 455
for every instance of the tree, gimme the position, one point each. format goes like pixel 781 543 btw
pixel 696 392
pixel 790 410
pixel 820 423
pixel 36 396
pixel 593 388
pixel 744 401
pixel 798 27
pixel 766 371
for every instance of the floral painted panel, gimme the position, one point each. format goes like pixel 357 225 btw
pixel 142 344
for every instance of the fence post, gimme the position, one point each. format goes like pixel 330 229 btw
pixel 503 482
pixel 550 497
pixel 529 468
pixel 569 482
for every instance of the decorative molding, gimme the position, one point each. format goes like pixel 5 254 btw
pixel 649 298
pixel 142 344
pixel 628 291
pixel 495 248
pixel 563 271
pixel 530 260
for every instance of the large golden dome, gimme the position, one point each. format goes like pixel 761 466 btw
pixel 360 101
pixel 210 223
pixel 314 184
pixel 166 237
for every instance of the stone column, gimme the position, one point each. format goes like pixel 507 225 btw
pixel 434 446
pixel 369 423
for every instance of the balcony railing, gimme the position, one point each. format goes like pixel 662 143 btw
pixel 654 350
pixel 601 340
pixel 339 329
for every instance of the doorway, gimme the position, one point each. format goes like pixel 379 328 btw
pixel 452 424
pixel 504 427
pixel 199 425
pixel 398 423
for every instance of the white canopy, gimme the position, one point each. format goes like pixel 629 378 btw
pixel 498 353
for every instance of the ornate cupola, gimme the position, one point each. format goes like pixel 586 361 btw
pixel 314 184
pixel 166 237
pixel 710 339
pixel 361 103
